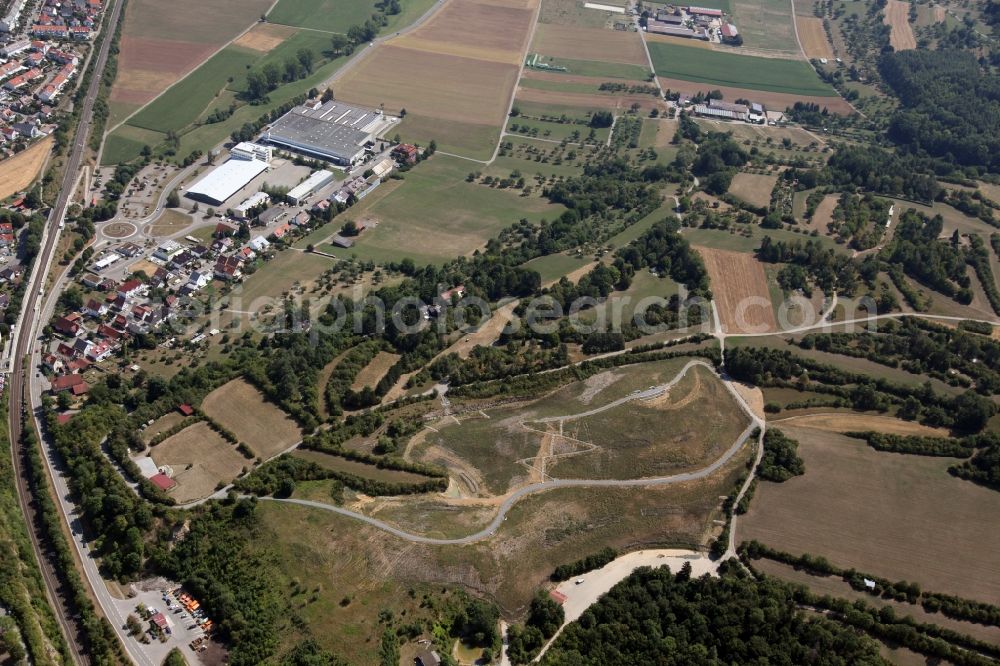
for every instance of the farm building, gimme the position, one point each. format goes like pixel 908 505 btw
pixel 659 28
pixel 704 11
pixel 226 180
pixel 730 34
pixel 333 131
pixel 309 185
pixel 724 110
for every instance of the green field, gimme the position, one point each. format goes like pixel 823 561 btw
pixel 794 77
pixel 607 70
pixel 125 143
pixel 326 15
pixel 434 215
pixel 766 25
pixel 181 105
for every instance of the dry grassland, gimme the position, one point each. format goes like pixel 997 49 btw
pixel 576 43
pixel 753 188
pixel 364 470
pixel 170 222
pixel 665 135
pixel 897 17
pixel 240 408
pixel 813 37
pixel 375 370
pixel 200 460
pixel 823 215
pixel 18 172
pixel 773 100
pixel 850 421
pixel 264 36
pixel 162 424
pixel 739 287
pixel 897 516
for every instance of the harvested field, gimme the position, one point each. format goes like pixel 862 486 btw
pixel 897 17
pixel 770 99
pixel 200 459
pixel 476 25
pixel 240 408
pixel 18 172
pixel 162 42
pixel 847 422
pixel 813 37
pixel 364 470
pixel 264 37
pixel 753 188
pixel 740 291
pixel 375 370
pixel 897 516
pixel 433 85
pixel 594 101
pixel 564 41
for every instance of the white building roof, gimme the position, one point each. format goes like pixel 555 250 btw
pixel 226 180
pixel 254 200
pixel 307 186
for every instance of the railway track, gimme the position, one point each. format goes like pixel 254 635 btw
pixel 19 405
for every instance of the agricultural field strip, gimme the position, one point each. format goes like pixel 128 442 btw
pixel 214 53
pixel 531 489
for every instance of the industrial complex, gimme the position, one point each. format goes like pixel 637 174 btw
pixel 246 162
pixel 332 131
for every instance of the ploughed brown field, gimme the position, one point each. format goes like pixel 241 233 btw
pixel 163 41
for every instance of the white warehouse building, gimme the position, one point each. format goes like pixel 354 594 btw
pixel 309 185
pixel 226 180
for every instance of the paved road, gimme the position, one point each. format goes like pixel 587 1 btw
pixel 533 488
pixel 25 333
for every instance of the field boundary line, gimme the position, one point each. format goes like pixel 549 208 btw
pixel 164 91
pixel 795 29
pixel 517 81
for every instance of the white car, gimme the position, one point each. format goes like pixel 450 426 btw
pixel 578 581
